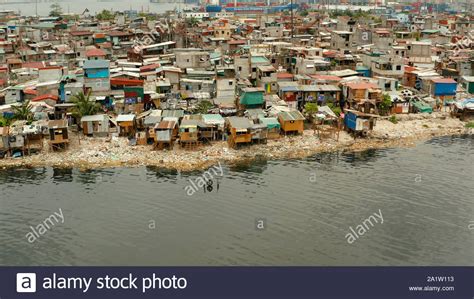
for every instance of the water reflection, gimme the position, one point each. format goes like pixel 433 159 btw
pixel 62 175
pixel 161 175
pixel 23 175
pixel 307 219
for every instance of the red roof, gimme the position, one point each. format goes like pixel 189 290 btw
pixel 118 33
pixel 126 82
pixel 45 97
pixel 51 68
pixel 30 91
pixel 95 53
pixel 326 77
pixel 361 85
pixel 81 33
pixel 33 65
pixel 150 67
pixel 237 42
pixel 284 76
pixel 445 80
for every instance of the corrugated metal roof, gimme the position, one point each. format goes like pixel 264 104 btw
pixel 239 122
pixel 96 64
pixel 98 117
pixel 126 117
pixel 291 115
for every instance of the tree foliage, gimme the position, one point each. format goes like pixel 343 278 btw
pixel 203 107
pixel 105 15
pixel 385 104
pixel 192 22
pixel 5 121
pixel 311 108
pixel 56 10
pixel 84 106
pixel 23 111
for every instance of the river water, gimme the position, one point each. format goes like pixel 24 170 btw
pixel 74 6
pixel 143 216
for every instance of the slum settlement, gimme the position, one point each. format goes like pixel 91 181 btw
pixel 184 80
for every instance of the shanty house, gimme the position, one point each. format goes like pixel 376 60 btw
pixel 58 134
pixel 96 125
pixel 126 124
pixel 468 83
pixel 165 133
pixel 251 97
pixel 239 131
pixel 291 122
pixel 444 88
pixel 4 147
pixel 214 126
pixel 189 132
pixel 273 127
pixel 97 75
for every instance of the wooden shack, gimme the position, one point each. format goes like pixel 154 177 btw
pixel 33 134
pixel 273 127
pixel 239 131
pixel 189 133
pixel 259 133
pixel 214 128
pixel 165 133
pixel 126 124
pixel 4 147
pixel 359 123
pixel 96 125
pixel 149 124
pixel 16 140
pixel 58 134
pixel 292 122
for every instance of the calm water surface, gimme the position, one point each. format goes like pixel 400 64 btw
pixel 425 195
pixel 74 6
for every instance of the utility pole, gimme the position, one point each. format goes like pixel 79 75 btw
pixel 36 8
pixel 292 21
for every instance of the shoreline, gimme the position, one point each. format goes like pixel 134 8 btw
pixel 94 153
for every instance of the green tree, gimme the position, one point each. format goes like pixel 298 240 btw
pixel 203 107
pixel 192 22
pixel 304 13
pixel 5 121
pixel 335 108
pixel 23 111
pixel 105 15
pixel 56 10
pixel 84 106
pixel 385 104
pixel 311 109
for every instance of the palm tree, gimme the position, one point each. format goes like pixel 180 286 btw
pixel 23 112
pixel 84 106
pixel 192 22
pixel 203 107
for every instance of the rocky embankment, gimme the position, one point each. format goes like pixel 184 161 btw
pixel 113 152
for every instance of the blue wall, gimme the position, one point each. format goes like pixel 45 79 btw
pixel 445 89
pixel 97 73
